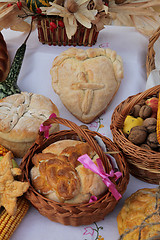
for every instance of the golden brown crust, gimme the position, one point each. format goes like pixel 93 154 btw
pixel 86 80
pixel 136 208
pixel 59 176
pixel 20 118
pixel 4 59
pixel 10 189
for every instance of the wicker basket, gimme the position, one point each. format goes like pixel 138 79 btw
pixel 58 36
pixel 143 164
pixel 74 214
pixel 150 62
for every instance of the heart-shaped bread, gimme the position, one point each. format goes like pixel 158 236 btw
pixel 87 80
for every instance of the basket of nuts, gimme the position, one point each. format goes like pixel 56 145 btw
pixel 134 130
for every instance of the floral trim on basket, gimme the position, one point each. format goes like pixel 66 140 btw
pixel 89 164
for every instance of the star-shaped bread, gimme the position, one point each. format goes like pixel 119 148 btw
pixel 10 188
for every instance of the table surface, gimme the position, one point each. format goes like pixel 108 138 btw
pixel 35 77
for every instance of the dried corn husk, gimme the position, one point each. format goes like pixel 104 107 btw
pixel 144 15
pixel 9 18
pixel 8 223
pixel 158 121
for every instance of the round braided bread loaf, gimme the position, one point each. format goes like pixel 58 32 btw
pixel 4 59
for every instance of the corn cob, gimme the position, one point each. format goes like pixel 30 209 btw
pixel 158 121
pixel 3 150
pixel 9 223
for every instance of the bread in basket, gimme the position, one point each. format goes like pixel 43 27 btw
pixel 143 164
pixel 76 213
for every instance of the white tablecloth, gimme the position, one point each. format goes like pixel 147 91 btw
pixel 35 77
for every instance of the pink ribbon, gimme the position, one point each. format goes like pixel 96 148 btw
pixel 45 129
pixel 88 163
pixel 93 199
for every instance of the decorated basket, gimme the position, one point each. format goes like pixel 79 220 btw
pixel 143 164
pixel 150 62
pixel 75 214
pixel 57 35
pixel 68 22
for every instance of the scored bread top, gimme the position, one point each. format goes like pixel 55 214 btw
pixel 138 207
pixel 22 114
pixel 86 80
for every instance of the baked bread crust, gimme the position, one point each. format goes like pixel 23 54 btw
pixel 136 208
pixel 59 176
pixel 20 118
pixel 86 80
pixel 4 59
pixel 10 188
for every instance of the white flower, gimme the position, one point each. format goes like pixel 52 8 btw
pixel 73 11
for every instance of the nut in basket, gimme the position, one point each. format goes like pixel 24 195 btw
pixel 73 204
pixel 143 161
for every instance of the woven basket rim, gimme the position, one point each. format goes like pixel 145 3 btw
pixel 150 61
pixel 121 185
pixel 137 156
pixel 152 152
pixel 52 201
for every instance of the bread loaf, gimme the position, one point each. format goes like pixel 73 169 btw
pixel 87 80
pixel 59 176
pixel 140 206
pixel 20 118
pixel 4 59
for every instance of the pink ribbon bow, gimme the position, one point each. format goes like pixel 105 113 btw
pixel 45 129
pixel 93 199
pixel 88 163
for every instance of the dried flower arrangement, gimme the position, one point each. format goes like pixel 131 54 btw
pixel 143 14
pixel 60 19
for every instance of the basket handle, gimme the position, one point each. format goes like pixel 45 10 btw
pixel 78 130
pixel 150 61
pixel 127 107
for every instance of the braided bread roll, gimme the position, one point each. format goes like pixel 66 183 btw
pixel 59 176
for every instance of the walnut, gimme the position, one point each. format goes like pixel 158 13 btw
pixel 145 111
pixel 138 135
pixel 145 146
pixel 150 124
pixel 152 140
pixel 135 110
pixel 141 102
